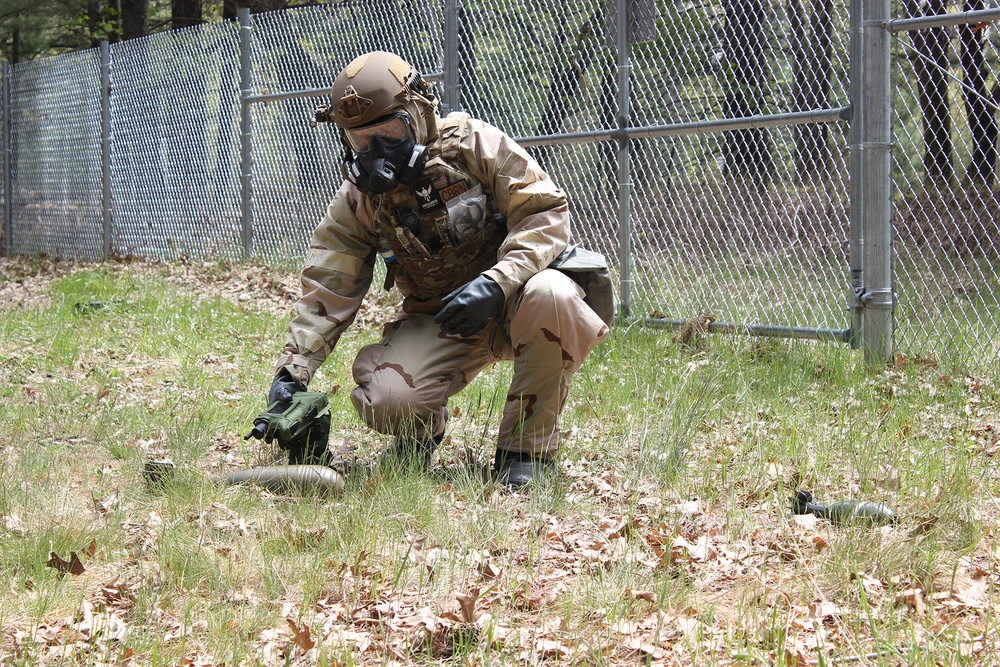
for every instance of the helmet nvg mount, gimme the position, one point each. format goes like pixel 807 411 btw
pixel 370 90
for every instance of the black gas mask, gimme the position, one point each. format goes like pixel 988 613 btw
pixel 384 154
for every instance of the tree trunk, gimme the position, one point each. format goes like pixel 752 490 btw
pixel 811 63
pixel 564 86
pixel 748 155
pixel 978 104
pixel 930 65
pixel 609 120
pixel 185 13
pixel 135 18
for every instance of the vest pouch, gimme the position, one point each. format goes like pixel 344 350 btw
pixel 467 215
pixel 589 270
pixel 430 278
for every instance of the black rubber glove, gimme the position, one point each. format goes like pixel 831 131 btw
pixel 283 388
pixel 469 309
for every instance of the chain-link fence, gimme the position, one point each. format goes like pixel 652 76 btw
pixel 945 165
pixel 682 140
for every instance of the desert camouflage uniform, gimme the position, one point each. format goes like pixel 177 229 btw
pixel 482 206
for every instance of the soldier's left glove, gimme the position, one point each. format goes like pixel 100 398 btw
pixel 470 308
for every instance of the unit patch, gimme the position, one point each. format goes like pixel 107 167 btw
pixel 454 190
pixel 427 196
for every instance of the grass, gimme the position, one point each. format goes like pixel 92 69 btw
pixel 665 538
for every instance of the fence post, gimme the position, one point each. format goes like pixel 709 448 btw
pixel 106 148
pixel 624 166
pixel 8 223
pixel 246 133
pixel 856 166
pixel 451 71
pixel 877 299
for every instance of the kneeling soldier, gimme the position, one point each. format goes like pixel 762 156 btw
pixel 469 227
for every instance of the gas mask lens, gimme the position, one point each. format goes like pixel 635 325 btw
pixel 390 132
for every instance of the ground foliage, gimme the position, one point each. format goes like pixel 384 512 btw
pixel 665 538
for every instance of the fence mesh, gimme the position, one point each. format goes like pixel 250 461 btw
pixel 298 168
pixel 175 144
pixel 55 153
pixel 750 225
pixel 947 209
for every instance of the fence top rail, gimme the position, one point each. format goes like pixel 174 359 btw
pixel 314 92
pixel 697 127
pixel 936 21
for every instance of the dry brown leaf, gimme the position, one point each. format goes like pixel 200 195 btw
pixel 681 550
pixel 922 528
pixel 422 617
pixel 104 506
pixel 301 636
pixel 645 647
pixel 871 585
pixel 50 634
pixel 648 596
pixel 548 649
pixel 114 594
pixel 100 626
pixel 914 599
pixel 72 566
pixel 490 570
pixel 468 606
pixel 824 609
pixel 536 601
pixel 976 594
pixel 198 661
pixel 797 656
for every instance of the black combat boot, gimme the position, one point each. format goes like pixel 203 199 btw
pixel 517 470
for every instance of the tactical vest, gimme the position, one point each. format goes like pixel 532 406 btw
pixel 442 232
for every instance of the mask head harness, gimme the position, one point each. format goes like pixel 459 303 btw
pixel 374 99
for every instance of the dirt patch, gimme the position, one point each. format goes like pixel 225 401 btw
pixel 25 282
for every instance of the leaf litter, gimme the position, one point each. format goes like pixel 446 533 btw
pixel 524 597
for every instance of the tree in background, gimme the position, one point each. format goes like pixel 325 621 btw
pixel 185 13
pixel 566 79
pixel 980 104
pixel 747 152
pixel 810 36
pixel 930 57
pixel 134 18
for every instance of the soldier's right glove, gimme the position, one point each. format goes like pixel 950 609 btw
pixel 470 308
pixel 283 388
pixel 301 426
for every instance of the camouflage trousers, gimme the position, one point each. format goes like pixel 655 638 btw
pixel 405 380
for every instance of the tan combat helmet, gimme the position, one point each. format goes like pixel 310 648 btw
pixel 377 84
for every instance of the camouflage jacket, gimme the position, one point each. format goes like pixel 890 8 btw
pixel 482 206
